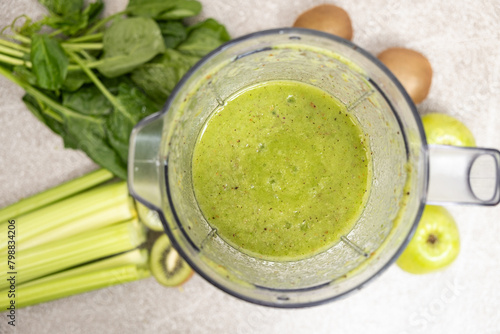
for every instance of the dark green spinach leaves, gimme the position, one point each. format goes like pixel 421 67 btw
pixel 164 9
pixel 91 80
pixel 129 43
pixel 203 38
pixel 50 63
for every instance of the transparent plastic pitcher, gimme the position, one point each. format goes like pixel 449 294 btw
pixel 407 173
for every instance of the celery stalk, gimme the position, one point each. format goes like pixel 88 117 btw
pixel 62 254
pixel 62 212
pixel 55 194
pixel 138 257
pixel 66 286
pixel 108 216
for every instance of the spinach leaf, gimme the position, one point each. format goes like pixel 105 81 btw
pixel 181 10
pixel 75 80
pixel 83 132
pixel 87 100
pixel 63 7
pixel 92 11
pixel 73 23
pixel 203 38
pixel 89 134
pixel 121 122
pixel 28 28
pixel 129 43
pixel 95 112
pixel 173 33
pixel 50 63
pixel 39 110
pixel 158 77
pixel 24 74
pixel 164 9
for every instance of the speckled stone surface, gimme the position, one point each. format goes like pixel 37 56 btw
pixel 462 41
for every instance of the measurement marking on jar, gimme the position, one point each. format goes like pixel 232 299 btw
pixel 353 246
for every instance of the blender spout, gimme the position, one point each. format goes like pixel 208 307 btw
pixel 144 161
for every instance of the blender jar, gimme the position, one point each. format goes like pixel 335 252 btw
pixel 162 147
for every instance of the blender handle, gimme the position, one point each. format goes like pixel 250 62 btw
pixel 463 175
pixel 144 161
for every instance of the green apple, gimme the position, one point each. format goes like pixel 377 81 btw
pixel 435 245
pixel 446 130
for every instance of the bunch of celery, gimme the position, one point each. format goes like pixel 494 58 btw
pixel 80 236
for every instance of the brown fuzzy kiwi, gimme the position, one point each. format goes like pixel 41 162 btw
pixel 328 18
pixel 411 68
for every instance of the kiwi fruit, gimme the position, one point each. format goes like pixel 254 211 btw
pixel 166 265
pixel 328 18
pixel 411 68
pixel 148 217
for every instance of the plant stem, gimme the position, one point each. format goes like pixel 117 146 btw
pixel 55 194
pixel 21 38
pixel 51 290
pixel 119 212
pixel 14 61
pixel 11 52
pixel 93 64
pixel 44 98
pixel 55 32
pixel 77 206
pixel 86 38
pixel 111 98
pixel 67 253
pixel 102 22
pixel 14 46
pixel 82 46
pixel 49 112
pixel 138 257
pixel 90 64
pixel 86 55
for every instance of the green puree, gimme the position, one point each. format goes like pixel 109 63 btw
pixel 281 170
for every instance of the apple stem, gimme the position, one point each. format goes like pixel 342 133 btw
pixel 432 239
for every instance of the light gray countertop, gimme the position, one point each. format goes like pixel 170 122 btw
pixel 462 41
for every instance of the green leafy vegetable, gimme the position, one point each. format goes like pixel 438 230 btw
pixel 75 80
pixel 40 111
pixel 50 64
pixel 92 11
pixel 63 7
pixel 68 16
pixel 181 10
pixel 88 100
pixel 90 135
pixel 91 80
pixel 129 43
pixel 27 28
pixel 173 33
pixel 120 123
pixel 85 132
pixel 164 9
pixel 25 74
pixel 159 77
pixel 203 38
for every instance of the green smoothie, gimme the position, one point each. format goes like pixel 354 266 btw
pixel 282 170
